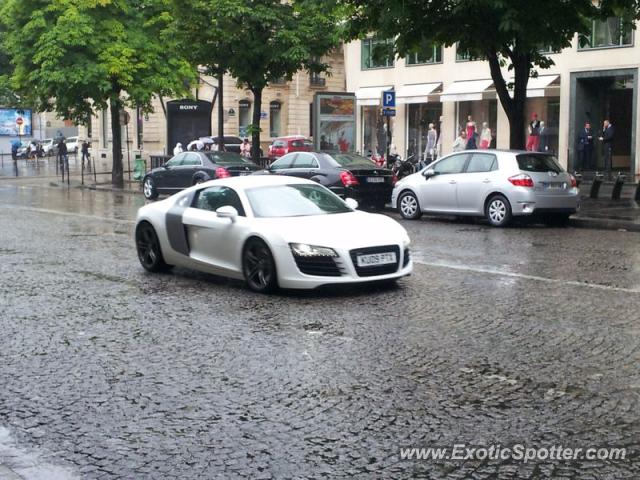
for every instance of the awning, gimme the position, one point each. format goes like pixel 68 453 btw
pixel 370 95
pixel 418 93
pixel 536 86
pixel 465 91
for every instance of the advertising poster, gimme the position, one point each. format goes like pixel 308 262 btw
pixel 335 115
pixel 9 125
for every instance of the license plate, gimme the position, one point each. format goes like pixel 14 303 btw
pixel 374 259
pixel 375 179
pixel 553 185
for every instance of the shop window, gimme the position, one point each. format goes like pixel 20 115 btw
pixel 463 55
pixel 376 53
pixel 432 54
pixel 420 116
pixel 612 32
pixel 244 117
pixel 275 109
pixel 374 131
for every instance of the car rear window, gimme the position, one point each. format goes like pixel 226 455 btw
pixel 348 160
pixel 227 158
pixel 538 163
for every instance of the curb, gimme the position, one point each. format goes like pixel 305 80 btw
pixel 603 224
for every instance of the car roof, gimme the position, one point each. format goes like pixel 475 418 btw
pixel 292 137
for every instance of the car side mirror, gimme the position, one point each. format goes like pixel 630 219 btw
pixel 165 166
pixel 227 212
pixel 428 173
pixel 351 203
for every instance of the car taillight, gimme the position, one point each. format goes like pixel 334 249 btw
pixel 522 180
pixel 222 173
pixel 348 179
pixel 394 179
pixel 574 182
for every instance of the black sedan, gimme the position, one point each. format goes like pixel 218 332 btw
pixel 188 168
pixel 346 174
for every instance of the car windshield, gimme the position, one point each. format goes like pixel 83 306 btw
pixel 348 160
pixel 538 163
pixel 294 201
pixel 227 158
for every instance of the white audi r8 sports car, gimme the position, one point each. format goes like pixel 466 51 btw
pixel 272 231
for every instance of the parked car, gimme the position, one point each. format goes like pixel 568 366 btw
pixel 231 144
pixel 22 149
pixel 283 145
pixel 272 232
pixel 190 168
pixel 73 144
pixel 495 184
pixel 347 175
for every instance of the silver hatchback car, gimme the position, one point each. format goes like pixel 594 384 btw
pixel 496 184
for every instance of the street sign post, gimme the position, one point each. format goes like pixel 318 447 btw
pixel 389 110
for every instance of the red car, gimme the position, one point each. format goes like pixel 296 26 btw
pixel 283 145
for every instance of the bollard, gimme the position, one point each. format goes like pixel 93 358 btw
pixel 617 187
pixel 595 186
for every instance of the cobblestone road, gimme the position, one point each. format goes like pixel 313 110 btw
pixel 525 335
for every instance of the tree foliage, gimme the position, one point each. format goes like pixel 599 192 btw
pixel 78 56
pixel 257 41
pixel 509 33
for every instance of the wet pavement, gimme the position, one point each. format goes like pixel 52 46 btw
pixel 523 335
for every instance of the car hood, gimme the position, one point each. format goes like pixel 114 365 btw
pixel 343 230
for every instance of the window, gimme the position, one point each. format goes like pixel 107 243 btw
pixel 294 201
pixel 192 159
pixel 213 198
pixel 611 32
pixel 244 116
pixel 463 55
pixel 305 160
pixel 452 164
pixel 376 53
pixel 433 54
pixel 283 162
pixel 176 161
pixel 316 80
pixel 538 163
pixel 89 127
pixel 104 129
pixel 274 118
pixel 482 162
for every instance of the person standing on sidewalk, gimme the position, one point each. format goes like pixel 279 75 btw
pixel 607 145
pixel 85 153
pixel 585 148
pixel 63 153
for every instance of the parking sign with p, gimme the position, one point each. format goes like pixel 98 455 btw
pixel 389 99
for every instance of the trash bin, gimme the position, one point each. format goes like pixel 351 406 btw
pixel 139 169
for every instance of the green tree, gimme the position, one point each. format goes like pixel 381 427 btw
pixel 259 41
pixel 75 57
pixel 506 32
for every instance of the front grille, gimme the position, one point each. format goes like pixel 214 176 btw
pixel 318 266
pixel 375 270
pixel 405 258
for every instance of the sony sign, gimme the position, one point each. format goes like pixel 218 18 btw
pixel 188 107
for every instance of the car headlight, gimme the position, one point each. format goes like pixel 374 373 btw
pixel 304 250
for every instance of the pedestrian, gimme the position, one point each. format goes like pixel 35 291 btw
pixel 485 136
pixel 245 148
pixel 85 152
pixel 63 154
pixel 432 139
pixel 534 133
pixel 178 149
pixel 460 143
pixel 543 142
pixel 607 145
pixel 585 148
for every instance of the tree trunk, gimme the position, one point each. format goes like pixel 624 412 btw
pixel 513 107
pixel 220 110
pixel 117 177
pixel 255 127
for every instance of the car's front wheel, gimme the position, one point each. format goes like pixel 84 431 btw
pixel 259 267
pixel 148 247
pixel 498 211
pixel 408 206
pixel 149 189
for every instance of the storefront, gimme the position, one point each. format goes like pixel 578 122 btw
pixel 422 107
pixel 372 123
pixel 543 100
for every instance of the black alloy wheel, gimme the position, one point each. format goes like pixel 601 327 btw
pixel 259 267
pixel 149 251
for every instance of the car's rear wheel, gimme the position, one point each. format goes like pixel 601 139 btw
pixel 408 206
pixel 148 247
pixel 259 267
pixel 498 211
pixel 149 189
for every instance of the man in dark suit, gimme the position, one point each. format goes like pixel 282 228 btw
pixel 585 147
pixel 607 145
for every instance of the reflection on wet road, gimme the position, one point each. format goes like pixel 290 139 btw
pixel 520 335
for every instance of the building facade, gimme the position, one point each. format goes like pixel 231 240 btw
pixel 594 79
pixel 286 110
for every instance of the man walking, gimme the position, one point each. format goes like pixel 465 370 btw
pixel 607 145
pixel 85 153
pixel 63 154
pixel 585 148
